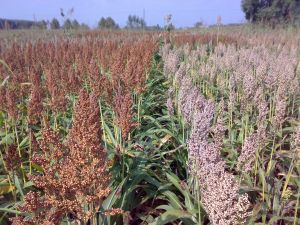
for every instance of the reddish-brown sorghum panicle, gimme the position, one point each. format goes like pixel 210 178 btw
pixel 75 173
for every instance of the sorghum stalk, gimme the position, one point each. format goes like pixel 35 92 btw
pixel 30 151
pixel 271 156
pixel 19 151
pixel 139 103
pixel 103 123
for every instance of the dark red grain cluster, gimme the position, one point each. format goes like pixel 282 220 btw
pixel 75 173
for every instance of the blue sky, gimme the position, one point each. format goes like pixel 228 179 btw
pixel 185 12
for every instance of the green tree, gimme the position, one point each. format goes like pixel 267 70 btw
pixel 271 10
pixel 135 22
pixel 54 24
pixel 250 8
pixel 198 24
pixel 42 25
pixel 75 24
pixel 67 24
pixel 107 23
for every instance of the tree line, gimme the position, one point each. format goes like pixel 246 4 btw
pixel 133 22
pixel 21 24
pixel 271 11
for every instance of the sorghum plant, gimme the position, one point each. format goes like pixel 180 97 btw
pixel 75 179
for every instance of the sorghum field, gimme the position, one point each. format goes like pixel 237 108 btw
pixel 186 127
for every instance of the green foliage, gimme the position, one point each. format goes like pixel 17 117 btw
pixel 42 25
pixel 271 10
pixel 198 24
pixel 135 22
pixel 54 24
pixel 21 24
pixel 75 24
pixel 107 23
pixel 67 24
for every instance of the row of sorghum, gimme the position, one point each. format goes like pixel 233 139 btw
pixel 259 86
pixel 219 189
pixel 44 73
pixel 40 80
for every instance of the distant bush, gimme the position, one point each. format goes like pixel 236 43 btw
pixel 54 24
pixel 107 23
